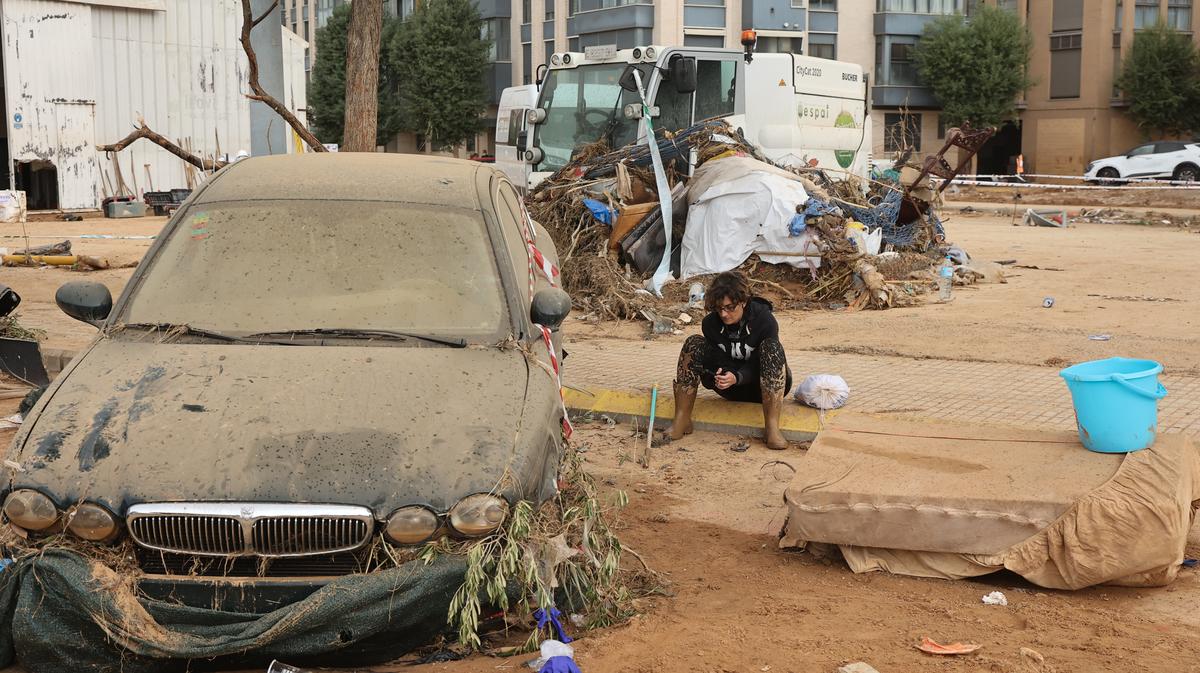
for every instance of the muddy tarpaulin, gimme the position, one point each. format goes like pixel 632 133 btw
pixel 952 501
pixel 62 612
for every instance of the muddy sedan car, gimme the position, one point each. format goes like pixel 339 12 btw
pixel 317 353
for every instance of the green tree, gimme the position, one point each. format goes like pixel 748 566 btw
pixel 976 67
pixel 327 86
pixel 1160 77
pixel 440 57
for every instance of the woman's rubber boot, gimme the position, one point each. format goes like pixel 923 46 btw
pixel 685 399
pixel 772 402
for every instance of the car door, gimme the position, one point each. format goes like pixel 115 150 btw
pixel 1168 155
pixel 1140 162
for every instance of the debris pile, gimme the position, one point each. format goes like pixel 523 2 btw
pixel 803 238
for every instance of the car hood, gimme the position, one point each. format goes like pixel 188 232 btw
pixel 380 426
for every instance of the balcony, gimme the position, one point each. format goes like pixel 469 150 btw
pixel 600 17
pixel 496 78
pixel 772 15
pixel 902 95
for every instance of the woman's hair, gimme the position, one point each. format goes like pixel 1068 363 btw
pixel 731 285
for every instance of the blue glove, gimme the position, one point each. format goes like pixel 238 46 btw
pixel 560 665
pixel 543 617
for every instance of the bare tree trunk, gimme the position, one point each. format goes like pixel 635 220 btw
pixel 362 75
pixel 260 94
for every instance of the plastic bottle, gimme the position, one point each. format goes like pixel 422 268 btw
pixel 945 279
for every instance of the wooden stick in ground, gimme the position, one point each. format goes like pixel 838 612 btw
pixel 149 177
pixel 260 94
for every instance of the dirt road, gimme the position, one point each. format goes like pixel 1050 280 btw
pixel 706 517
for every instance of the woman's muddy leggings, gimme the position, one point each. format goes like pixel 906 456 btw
pixel 698 363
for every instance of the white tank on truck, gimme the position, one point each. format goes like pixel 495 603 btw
pixel 800 110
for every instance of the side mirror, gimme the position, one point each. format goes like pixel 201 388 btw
pixel 9 300
pixel 85 301
pixel 627 81
pixel 540 74
pixel 550 308
pixel 683 73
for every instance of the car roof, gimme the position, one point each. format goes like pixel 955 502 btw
pixel 348 176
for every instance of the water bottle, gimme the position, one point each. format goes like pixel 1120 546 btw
pixel 695 294
pixel 945 279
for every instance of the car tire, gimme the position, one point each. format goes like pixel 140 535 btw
pixel 1186 173
pixel 1107 175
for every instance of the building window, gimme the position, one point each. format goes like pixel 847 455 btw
pixel 549 10
pixel 903 70
pixel 549 51
pixel 941 7
pixel 496 33
pixel 1067 16
pixel 1065 64
pixel 797 4
pixel 942 126
pixel 779 45
pixel 573 44
pixel 714 41
pixel 1145 13
pixel 822 45
pixel 1116 91
pixel 526 12
pixel 572 7
pixel 823 5
pixel 527 64
pixel 1179 14
pixel 1120 17
pixel 901 132
pixel 1007 5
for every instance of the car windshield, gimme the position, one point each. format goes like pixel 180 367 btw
pixel 582 105
pixel 248 267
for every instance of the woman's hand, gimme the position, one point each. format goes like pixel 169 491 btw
pixel 725 379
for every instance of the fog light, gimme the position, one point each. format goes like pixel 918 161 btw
pixel 411 525
pixel 30 510
pixel 567 59
pixel 556 59
pixel 650 52
pixel 478 514
pixel 92 523
pixel 637 54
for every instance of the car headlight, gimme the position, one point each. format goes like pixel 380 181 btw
pixel 478 514
pixel 93 523
pixel 30 509
pixel 411 525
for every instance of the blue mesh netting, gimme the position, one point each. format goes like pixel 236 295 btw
pixel 885 215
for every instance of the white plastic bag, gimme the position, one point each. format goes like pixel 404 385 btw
pixel 823 391
pixel 549 650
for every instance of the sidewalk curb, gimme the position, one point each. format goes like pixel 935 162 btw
pixel 798 423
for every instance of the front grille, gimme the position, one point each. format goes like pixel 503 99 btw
pixel 288 536
pixel 212 535
pixel 333 565
pixel 267 530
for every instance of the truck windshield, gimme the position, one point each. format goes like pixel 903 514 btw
pixel 583 105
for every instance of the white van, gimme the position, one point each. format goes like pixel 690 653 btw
pixel 515 101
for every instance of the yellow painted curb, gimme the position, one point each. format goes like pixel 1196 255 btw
pixel 797 422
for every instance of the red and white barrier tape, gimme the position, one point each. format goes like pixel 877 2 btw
pixel 566 421
pixel 1041 185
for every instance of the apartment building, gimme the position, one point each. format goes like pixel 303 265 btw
pixel 1074 114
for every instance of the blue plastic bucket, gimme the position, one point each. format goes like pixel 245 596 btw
pixel 1116 403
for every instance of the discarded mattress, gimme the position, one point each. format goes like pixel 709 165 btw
pixel 739 207
pixel 940 500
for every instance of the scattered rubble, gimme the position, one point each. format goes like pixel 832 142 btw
pixel 822 243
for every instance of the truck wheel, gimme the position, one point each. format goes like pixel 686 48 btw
pixel 1187 172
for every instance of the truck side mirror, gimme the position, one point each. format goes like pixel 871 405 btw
pixel 682 71
pixel 549 308
pixel 627 81
pixel 85 301
pixel 540 74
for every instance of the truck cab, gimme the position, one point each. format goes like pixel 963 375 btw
pixel 799 110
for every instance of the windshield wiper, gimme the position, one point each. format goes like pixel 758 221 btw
pixel 181 329
pixel 352 333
